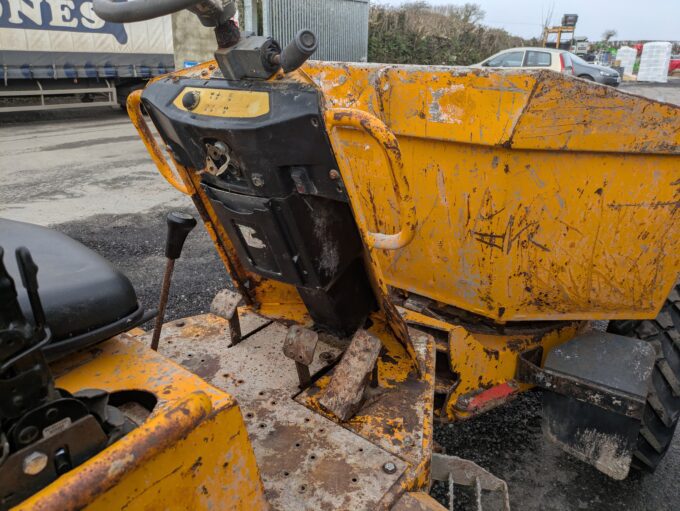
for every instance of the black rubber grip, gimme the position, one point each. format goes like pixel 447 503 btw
pixel 179 226
pixel 303 45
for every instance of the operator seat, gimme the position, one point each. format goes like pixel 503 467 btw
pixel 85 299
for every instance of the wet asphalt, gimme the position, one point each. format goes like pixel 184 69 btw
pixel 107 195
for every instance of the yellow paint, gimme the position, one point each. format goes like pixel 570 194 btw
pixel 482 361
pixel 134 108
pixel 538 197
pixel 375 240
pixel 513 195
pixel 226 103
pixel 192 452
pixel 358 120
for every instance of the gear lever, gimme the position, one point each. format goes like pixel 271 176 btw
pixel 179 226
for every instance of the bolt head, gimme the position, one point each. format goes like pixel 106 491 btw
pixel 34 463
pixel 28 434
pixel 334 174
pixel 389 468
pixel 257 180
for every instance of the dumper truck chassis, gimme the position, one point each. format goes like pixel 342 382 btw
pixel 406 245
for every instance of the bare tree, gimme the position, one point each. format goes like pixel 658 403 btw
pixel 608 34
pixel 547 21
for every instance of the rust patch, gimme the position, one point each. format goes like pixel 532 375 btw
pixel 397 413
pixel 300 344
pixel 345 392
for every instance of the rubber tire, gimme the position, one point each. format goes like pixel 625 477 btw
pixel 587 77
pixel 661 414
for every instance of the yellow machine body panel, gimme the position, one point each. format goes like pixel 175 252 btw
pixel 195 433
pixel 538 197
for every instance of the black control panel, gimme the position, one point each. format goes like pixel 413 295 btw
pixel 269 171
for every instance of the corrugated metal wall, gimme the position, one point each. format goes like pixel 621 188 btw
pixel 340 25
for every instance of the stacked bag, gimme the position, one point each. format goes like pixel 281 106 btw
pixel 627 56
pixel 656 57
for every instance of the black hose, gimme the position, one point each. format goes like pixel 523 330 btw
pixel 138 10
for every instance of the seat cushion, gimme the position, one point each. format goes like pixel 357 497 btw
pixel 86 300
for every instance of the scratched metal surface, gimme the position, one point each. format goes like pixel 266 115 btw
pixel 306 461
pixel 538 197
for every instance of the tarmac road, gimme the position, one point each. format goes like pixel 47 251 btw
pixel 91 178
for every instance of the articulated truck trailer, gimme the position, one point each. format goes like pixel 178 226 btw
pixel 59 54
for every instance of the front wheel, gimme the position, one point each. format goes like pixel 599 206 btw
pixel 663 403
pixel 587 77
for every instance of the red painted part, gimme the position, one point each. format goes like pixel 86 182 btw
pixel 492 397
pixel 674 66
pixel 566 65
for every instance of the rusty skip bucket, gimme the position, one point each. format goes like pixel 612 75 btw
pixel 537 196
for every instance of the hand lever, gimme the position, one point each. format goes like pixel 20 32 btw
pixel 179 226
pixel 10 311
pixel 303 45
pixel 29 278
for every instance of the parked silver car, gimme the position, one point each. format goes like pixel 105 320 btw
pixel 550 58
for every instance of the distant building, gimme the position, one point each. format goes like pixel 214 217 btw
pixel 340 25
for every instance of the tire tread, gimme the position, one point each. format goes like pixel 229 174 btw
pixel 660 418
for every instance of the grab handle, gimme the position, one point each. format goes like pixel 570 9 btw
pixel 134 106
pixel 371 125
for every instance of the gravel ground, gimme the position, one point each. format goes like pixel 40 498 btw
pixel 90 178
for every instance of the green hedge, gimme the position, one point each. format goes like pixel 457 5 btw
pixel 417 33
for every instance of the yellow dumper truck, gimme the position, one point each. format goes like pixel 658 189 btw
pixel 406 244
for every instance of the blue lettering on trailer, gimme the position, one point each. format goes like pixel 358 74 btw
pixel 61 15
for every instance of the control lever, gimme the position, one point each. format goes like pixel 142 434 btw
pixel 29 278
pixel 303 46
pixel 179 226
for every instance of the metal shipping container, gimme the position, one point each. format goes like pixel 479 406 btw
pixel 341 25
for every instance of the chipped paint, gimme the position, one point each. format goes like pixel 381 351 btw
pixel 488 360
pixel 527 166
pixel 149 468
pixel 443 109
pixel 294 445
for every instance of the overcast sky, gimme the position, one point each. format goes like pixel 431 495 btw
pixel 632 19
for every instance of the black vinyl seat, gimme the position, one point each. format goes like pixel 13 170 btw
pixel 86 300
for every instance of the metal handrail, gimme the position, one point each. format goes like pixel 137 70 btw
pixel 134 105
pixel 374 127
